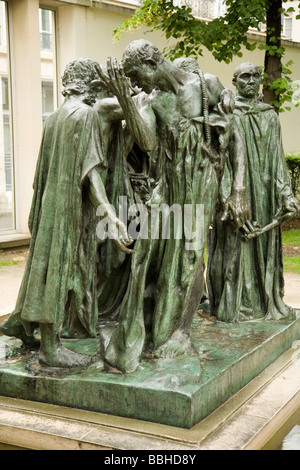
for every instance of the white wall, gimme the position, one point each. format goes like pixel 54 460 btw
pixel 27 102
pixel 87 31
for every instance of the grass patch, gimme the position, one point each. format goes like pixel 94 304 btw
pixel 292 264
pixel 9 263
pixel 291 237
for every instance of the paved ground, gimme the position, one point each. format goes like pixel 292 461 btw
pixel 11 277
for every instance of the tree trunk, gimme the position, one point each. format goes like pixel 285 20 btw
pixel 273 66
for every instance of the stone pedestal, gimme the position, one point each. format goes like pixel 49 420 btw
pixel 257 417
pixel 177 392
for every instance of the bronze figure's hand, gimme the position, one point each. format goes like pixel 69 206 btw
pixel 120 236
pixel 115 78
pixel 236 209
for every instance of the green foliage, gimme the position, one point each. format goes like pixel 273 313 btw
pixel 8 263
pixel 283 87
pixel 291 237
pixel 292 264
pixel 293 163
pixel 224 37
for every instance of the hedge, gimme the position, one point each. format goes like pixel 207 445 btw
pixel 293 163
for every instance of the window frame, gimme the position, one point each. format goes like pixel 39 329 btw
pixel 11 114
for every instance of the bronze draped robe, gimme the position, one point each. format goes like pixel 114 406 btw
pixel 245 279
pixel 61 266
pixel 165 284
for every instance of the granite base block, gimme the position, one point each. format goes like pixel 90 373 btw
pixel 177 392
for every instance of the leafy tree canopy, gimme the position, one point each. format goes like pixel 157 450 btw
pixel 225 37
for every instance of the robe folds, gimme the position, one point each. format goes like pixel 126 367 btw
pixel 245 279
pixel 115 264
pixel 61 267
pixel 166 279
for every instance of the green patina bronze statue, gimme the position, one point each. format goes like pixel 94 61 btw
pixel 185 154
pixel 171 120
pixel 60 279
pixel 245 272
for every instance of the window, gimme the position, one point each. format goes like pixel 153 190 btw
pixel 7 218
pixel 2 25
pixel 48 62
pixel 287 26
pixel 208 9
pixel 46 29
pixel 219 8
pixel 47 99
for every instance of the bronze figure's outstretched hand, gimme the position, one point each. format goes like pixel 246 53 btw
pixel 120 236
pixel 236 209
pixel 250 230
pixel 124 239
pixel 291 207
pixel 115 78
pixel 289 210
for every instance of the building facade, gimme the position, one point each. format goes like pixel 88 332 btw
pixel 38 39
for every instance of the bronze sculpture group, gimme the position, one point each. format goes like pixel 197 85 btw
pixel 157 134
